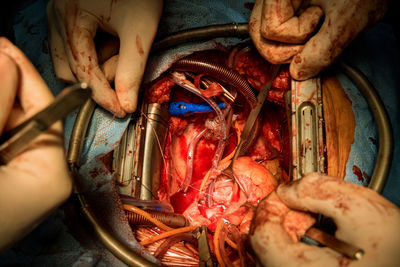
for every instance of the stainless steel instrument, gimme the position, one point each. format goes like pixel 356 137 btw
pixel 308 150
pixel 16 140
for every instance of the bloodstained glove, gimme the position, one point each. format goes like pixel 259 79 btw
pixel 35 182
pixel 363 218
pixel 73 25
pixel 283 31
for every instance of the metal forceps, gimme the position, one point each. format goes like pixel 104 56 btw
pixel 262 95
pixel 17 139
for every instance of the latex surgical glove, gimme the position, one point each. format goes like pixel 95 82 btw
pixel 284 30
pixel 73 25
pixel 363 218
pixel 35 182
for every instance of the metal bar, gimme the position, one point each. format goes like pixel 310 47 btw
pixel 332 242
pixel 201 33
pixel 385 132
pixel 78 132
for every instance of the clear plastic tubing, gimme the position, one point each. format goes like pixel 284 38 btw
pixel 189 160
pixel 180 80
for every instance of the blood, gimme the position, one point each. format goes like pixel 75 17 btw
pixel 181 201
pixel 358 173
pixel 373 140
pixel 201 164
pixel 235 193
pixel 273 130
pixel 197 80
pixel 367 177
pixel 139 45
pixel 202 158
pixel 213 90
pixel 179 94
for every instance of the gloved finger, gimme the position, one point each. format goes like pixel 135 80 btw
pixel 135 44
pixel 274 52
pixel 271 240
pixel 57 49
pixel 80 30
pixel 330 196
pixel 9 84
pixel 33 93
pixel 109 67
pixel 279 22
pixel 323 49
pixel 354 209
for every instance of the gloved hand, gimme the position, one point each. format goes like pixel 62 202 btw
pixel 283 37
pixel 363 218
pixel 72 27
pixel 35 182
